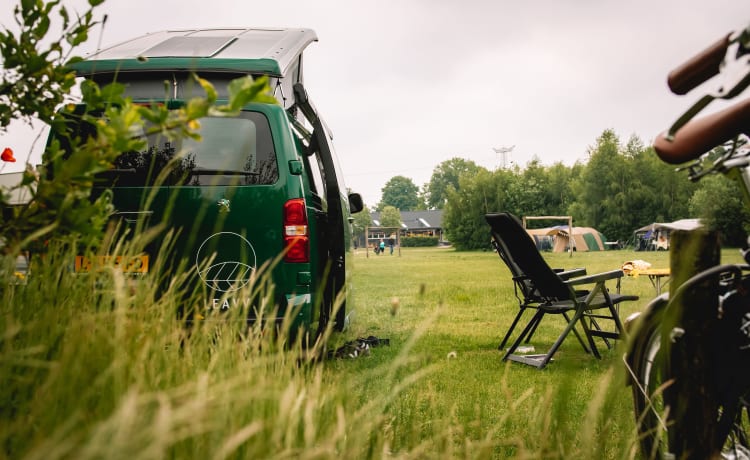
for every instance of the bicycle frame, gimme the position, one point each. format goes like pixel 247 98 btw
pixel 726 339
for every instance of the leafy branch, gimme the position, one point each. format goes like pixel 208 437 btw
pixel 36 84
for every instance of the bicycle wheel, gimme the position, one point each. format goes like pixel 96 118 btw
pixel 650 411
pixel 648 403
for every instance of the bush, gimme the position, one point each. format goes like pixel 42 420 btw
pixel 419 241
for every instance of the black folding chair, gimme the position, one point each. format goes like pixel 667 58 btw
pixel 554 295
pixel 527 294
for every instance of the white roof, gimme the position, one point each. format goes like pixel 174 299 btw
pixel 682 224
pixel 281 45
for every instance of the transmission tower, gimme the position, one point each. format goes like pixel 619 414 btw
pixel 504 154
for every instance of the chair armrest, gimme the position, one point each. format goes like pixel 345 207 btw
pixel 613 274
pixel 573 272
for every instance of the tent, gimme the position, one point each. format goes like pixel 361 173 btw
pixel 558 238
pixel 655 236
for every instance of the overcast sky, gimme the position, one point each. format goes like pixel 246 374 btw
pixel 407 84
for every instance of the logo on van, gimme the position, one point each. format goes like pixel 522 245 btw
pixel 232 264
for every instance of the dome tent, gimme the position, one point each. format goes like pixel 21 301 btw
pixel 559 238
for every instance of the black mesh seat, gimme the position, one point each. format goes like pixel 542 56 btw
pixel 548 292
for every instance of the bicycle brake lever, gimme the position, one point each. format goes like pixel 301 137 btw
pixel 695 170
pixel 735 71
pixel 687 116
pixel 736 78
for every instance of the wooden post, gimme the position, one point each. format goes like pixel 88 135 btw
pixel 367 242
pixel 686 331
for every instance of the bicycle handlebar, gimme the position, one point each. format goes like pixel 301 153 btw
pixel 702 134
pixel 699 68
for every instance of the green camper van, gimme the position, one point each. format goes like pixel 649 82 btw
pixel 262 189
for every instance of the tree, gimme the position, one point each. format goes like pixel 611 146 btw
pixel 401 193
pixel 476 196
pixel 390 216
pixel 362 220
pixel 35 79
pixel 602 192
pixel 528 190
pixel 34 83
pixel 719 203
pixel 558 193
pixel 445 176
pixel 658 192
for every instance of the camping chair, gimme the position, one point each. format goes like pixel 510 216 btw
pixel 556 295
pixel 527 294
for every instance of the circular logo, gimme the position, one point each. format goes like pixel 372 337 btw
pixel 232 264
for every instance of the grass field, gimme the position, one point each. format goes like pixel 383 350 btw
pixel 462 303
pixel 95 369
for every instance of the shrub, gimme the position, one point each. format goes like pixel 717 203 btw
pixel 419 241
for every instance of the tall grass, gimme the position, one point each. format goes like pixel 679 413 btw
pixel 97 366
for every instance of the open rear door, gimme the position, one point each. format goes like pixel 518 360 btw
pixel 337 210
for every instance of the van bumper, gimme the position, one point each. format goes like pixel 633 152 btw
pixel 301 309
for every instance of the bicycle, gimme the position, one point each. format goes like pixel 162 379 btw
pixel 649 350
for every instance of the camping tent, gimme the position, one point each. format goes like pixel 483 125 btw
pixel 558 238
pixel 655 236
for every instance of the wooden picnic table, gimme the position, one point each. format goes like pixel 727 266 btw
pixel 659 277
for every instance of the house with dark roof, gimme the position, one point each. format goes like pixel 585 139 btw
pixel 413 223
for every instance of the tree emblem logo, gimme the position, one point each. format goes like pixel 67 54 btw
pixel 232 265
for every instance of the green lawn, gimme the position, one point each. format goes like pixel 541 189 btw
pixel 94 367
pixel 460 304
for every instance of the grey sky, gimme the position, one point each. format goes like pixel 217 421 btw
pixel 405 85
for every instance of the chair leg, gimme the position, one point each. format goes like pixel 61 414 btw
pixel 593 324
pixel 571 327
pixel 614 310
pixel 596 331
pixel 577 334
pixel 540 361
pixel 521 309
pixel 537 317
pixel 590 337
pixel 533 330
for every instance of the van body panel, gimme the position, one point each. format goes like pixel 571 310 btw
pixel 256 66
pixel 227 230
pixel 226 198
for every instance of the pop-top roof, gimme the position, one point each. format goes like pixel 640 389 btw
pixel 260 51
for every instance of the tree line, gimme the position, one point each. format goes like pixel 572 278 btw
pixel 619 188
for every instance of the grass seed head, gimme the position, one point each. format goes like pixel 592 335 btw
pixel 395 304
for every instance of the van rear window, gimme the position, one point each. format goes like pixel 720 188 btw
pixel 232 151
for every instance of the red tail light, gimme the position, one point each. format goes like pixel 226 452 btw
pixel 296 237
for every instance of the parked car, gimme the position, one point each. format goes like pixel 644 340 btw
pixel 262 187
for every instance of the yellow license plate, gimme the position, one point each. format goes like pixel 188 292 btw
pixel 128 264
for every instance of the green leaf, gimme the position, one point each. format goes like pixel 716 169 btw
pixel 211 94
pixel 42 27
pixel 245 90
pixel 197 108
pixel 90 92
pixel 65 17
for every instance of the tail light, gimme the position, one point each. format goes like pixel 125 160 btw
pixel 296 237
